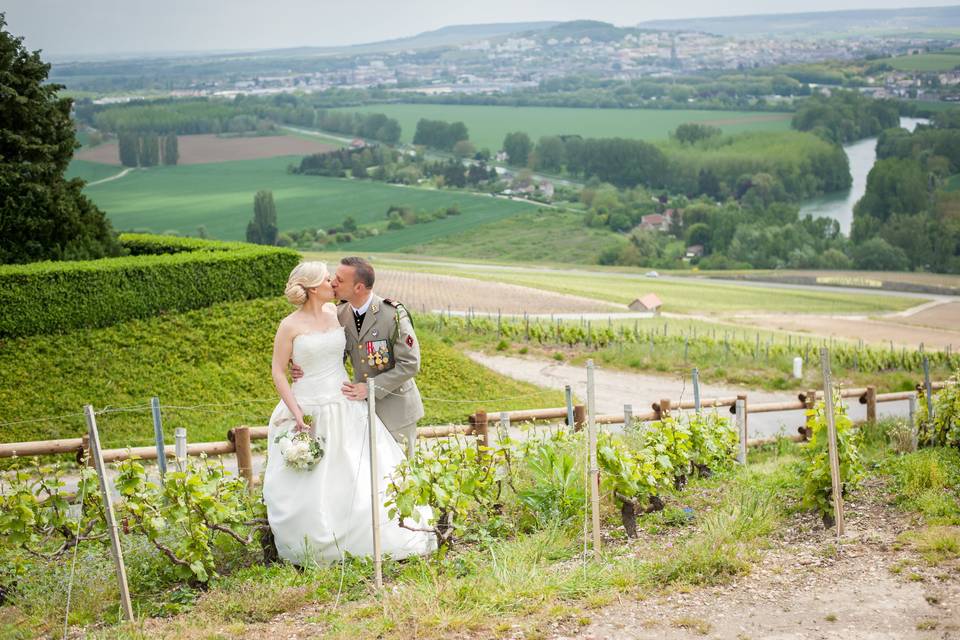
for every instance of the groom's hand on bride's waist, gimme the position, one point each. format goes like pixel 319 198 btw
pixel 355 390
pixel 295 372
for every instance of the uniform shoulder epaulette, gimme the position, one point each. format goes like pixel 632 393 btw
pixel 393 303
pixel 340 303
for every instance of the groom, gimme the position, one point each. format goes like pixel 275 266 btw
pixel 381 345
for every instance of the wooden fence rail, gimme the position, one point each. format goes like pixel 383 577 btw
pixel 478 424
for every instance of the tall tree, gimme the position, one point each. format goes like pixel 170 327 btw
pixel 171 150
pixel 149 150
pixel 43 216
pixel 263 228
pixel 518 147
pixel 128 144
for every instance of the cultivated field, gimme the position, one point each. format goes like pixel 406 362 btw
pixel 694 297
pixel 488 125
pixel 220 197
pixel 202 149
pixel 925 62
pixel 431 292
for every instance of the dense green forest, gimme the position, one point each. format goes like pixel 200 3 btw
pixel 909 205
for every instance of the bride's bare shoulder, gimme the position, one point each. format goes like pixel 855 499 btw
pixel 288 324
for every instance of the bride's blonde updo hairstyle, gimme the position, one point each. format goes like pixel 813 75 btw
pixel 305 275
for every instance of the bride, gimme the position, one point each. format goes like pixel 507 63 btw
pixel 319 515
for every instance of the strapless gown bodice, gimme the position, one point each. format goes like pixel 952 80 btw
pixel 320 355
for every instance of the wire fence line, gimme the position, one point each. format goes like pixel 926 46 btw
pixel 222 408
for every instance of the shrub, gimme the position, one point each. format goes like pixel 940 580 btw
pixel 163 275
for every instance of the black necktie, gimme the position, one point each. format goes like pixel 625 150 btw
pixel 358 317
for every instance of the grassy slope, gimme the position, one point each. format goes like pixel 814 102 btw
pixel 215 355
pixel 924 62
pixel 489 124
pixel 90 171
pixel 699 296
pixel 220 196
pixel 541 236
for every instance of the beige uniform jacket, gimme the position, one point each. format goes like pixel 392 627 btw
pixel 387 350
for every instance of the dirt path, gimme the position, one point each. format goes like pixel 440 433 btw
pixel 616 388
pixel 871 587
pixel 110 178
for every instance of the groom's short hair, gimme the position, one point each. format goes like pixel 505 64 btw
pixel 363 270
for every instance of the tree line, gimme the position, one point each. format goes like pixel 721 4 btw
pixel 147 149
pixel 845 116
pixel 911 207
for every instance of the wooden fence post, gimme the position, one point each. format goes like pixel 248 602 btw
pixel 871 403
pixel 504 423
pixel 241 441
pixel 481 428
pixel 696 389
pixel 836 480
pixel 627 416
pixel 568 393
pixel 112 529
pixel 579 417
pixel 664 408
pixel 810 399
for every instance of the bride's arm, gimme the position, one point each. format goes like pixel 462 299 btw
pixel 282 350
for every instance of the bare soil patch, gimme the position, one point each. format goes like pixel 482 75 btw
pixel 430 292
pixel 902 331
pixel 943 316
pixel 867 586
pixel 203 149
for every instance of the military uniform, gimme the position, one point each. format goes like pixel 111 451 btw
pixel 381 345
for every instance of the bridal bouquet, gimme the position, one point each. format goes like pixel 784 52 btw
pixel 300 450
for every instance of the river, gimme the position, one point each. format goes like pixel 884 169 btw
pixel 839 205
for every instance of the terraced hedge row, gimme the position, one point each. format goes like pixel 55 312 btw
pixel 161 275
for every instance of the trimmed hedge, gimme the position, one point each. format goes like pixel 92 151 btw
pixel 163 274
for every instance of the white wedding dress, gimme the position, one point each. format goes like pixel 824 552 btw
pixel 318 515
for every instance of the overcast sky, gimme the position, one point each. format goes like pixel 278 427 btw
pixel 94 27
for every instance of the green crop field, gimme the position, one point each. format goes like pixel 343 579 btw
pixel 925 62
pixel 687 296
pixel 220 197
pixel 91 171
pixel 489 124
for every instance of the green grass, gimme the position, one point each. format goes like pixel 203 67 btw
pixel 91 171
pixel 220 197
pixel 953 183
pixel 488 125
pixel 924 62
pixel 211 356
pixel 535 235
pixel 505 586
pixel 694 296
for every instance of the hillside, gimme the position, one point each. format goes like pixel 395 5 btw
pixel 217 358
pixel 860 23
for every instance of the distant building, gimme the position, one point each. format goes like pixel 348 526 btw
pixel 658 221
pixel 357 143
pixel 649 302
pixel 695 251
